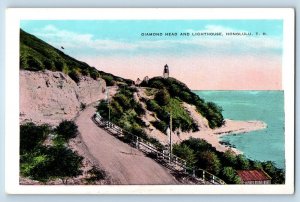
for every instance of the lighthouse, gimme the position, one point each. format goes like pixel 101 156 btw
pixel 166 72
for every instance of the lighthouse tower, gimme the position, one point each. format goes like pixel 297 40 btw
pixel 166 72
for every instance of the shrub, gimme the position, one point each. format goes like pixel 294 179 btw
pixel 95 174
pixel 186 153
pixel 198 145
pixel 94 74
pixel 59 65
pixel 48 64
pixel 162 97
pixel 34 64
pixel 160 125
pixel 32 136
pixel 152 106
pixel 74 76
pixel 123 100
pixel 229 158
pixel 108 79
pixel 102 108
pixel 209 161
pixel 82 106
pixel 278 175
pixel 242 162
pixel 138 108
pixel 67 130
pixel 230 175
pixel 60 163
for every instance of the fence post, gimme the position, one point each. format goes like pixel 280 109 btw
pixel 137 143
pixel 213 179
pixel 194 174
pixel 203 175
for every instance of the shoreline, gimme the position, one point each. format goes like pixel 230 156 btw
pixel 213 136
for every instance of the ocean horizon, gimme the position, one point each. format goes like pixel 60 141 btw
pixel 267 106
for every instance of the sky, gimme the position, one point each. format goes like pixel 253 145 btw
pixel 127 48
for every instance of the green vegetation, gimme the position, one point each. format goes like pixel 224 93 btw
pixel 32 136
pixel 37 55
pixel 176 89
pixel 67 130
pixel 125 112
pixel 180 117
pixel 44 162
pixel 200 154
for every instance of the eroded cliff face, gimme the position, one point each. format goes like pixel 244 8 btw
pixel 50 97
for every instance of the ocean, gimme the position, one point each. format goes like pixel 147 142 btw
pixel 267 106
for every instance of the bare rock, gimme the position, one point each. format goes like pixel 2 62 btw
pixel 49 97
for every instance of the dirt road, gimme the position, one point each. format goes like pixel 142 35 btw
pixel 124 164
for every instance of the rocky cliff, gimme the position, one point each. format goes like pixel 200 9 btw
pixel 49 97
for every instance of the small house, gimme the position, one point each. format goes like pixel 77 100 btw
pixel 254 177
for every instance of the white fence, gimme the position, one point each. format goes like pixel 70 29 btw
pixel 161 155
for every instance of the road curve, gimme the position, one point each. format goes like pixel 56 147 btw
pixel 124 164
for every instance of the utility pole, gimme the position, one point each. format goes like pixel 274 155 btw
pixel 170 135
pixel 108 104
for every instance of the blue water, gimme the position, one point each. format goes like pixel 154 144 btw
pixel 267 106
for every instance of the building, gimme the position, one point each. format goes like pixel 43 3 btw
pixel 166 72
pixel 138 81
pixel 254 177
pixel 146 79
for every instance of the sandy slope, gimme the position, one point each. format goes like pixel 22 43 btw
pixel 124 164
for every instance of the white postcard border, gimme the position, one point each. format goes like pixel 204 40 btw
pixel 13 17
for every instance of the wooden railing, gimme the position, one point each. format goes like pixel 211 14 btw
pixel 162 155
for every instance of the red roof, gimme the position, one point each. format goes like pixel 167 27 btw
pixel 253 175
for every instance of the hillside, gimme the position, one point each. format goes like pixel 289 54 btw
pixel 55 86
pixel 178 90
pixel 61 91
pixel 36 55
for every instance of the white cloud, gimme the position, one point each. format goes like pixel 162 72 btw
pixel 80 44
pixel 69 39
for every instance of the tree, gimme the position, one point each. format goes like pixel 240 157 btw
pixel 197 145
pixel 277 175
pixel 257 165
pixel 230 176
pixel 67 130
pixel 184 152
pixel 242 162
pixel 229 158
pixel 209 161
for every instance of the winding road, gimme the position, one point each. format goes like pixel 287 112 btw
pixel 124 164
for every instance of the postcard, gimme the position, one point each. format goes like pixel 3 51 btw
pixel 149 101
